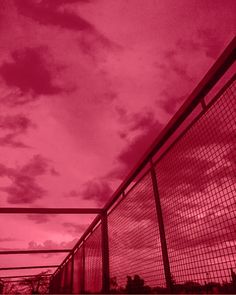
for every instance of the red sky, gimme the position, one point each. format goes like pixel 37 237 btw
pixel 85 87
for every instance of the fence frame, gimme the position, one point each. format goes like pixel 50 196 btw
pixel 223 63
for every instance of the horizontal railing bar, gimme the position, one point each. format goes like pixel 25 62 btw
pixel 9 210
pixel 28 267
pixel 10 252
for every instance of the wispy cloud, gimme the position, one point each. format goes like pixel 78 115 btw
pixel 49 244
pixel 47 13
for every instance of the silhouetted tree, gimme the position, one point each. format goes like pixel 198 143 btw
pixel 39 284
pixel 113 285
pixel 136 286
pixel 12 288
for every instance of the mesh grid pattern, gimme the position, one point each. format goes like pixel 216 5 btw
pixel 62 280
pixel 134 244
pixel 78 271
pixel 196 181
pixel 67 285
pixel 93 262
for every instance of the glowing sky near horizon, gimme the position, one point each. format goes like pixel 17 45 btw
pixel 85 87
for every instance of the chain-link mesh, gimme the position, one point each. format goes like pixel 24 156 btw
pixel 93 262
pixel 196 182
pixel 68 281
pixel 78 273
pixel 134 243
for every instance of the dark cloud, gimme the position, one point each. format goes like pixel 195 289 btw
pixel 17 123
pixel 37 166
pixel 47 13
pixel 147 127
pixel 13 126
pixel 97 190
pixel 10 140
pixel 29 73
pixel 142 121
pixel 24 188
pixel 133 152
pixel 54 172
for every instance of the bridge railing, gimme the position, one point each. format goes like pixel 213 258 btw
pixel 172 221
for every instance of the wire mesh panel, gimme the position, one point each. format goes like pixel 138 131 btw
pixel 78 274
pixel 134 244
pixel 57 286
pixel 67 283
pixel 62 280
pixel 93 262
pixel 197 185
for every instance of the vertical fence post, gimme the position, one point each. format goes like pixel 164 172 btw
pixel 51 284
pixel 161 229
pixel 83 270
pixel 105 254
pixel 72 274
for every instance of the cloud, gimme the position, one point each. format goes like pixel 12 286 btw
pixel 7 239
pixel 10 141
pixel 142 121
pixel 54 172
pixel 13 126
pixel 28 72
pixel 17 123
pixel 96 190
pixel 37 166
pixel 47 13
pixel 133 152
pixel 75 228
pixel 24 189
pixel 39 218
pixel 49 244
pixel 171 103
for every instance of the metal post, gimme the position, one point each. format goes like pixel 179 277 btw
pixel 161 230
pixel 105 254
pixel 83 270
pixel 72 274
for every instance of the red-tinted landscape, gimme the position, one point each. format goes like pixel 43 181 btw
pixel 86 86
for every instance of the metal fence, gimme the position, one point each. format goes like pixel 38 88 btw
pixel 171 225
